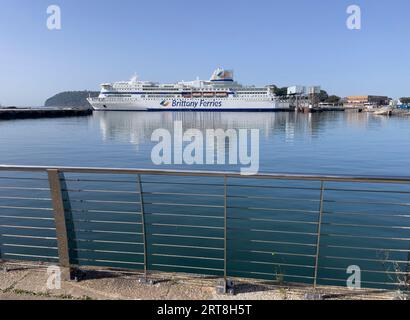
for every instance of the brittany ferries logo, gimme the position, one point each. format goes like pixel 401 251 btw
pixel 191 104
pixel 165 103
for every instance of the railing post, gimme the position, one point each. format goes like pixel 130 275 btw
pixel 227 286
pixel 144 233
pixel 319 230
pixel 54 177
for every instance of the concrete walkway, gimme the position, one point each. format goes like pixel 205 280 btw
pixel 31 283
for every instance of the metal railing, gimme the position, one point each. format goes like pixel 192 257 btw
pixel 306 229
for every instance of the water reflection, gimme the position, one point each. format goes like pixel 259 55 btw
pixel 330 142
pixel 137 127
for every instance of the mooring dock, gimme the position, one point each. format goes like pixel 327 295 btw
pixel 31 113
pixel 320 109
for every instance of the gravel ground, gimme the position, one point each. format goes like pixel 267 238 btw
pixel 31 284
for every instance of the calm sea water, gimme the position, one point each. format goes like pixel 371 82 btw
pixel 337 143
pixel 274 226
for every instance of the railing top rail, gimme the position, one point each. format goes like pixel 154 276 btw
pixel 277 176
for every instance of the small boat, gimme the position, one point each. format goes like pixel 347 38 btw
pixel 383 112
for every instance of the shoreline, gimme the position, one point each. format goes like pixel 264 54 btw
pixel 390 112
pixel 45 112
pixel 11 113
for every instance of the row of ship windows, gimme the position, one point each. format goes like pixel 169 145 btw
pixel 151 99
pixel 177 90
pixel 182 97
pixel 190 93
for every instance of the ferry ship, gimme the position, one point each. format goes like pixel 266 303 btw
pixel 220 93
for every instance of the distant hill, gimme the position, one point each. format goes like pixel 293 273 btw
pixel 71 99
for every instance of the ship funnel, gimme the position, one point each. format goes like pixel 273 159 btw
pixel 222 75
pixel 134 78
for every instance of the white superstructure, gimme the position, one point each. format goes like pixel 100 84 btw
pixel 220 93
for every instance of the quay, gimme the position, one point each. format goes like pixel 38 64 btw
pixel 34 113
pixel 389 112
pixel 319 109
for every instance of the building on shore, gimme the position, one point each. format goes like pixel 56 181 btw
pixel 368 100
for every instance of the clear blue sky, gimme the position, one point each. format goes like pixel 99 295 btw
pixel 265 41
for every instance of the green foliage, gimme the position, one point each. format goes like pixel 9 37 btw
pixel 280 91
pixel 71 99
pixel 323 96
pixel 405 100
pixel 333 99
pixel 279 276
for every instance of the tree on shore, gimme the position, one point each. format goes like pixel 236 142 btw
pixel 280 92
pixel 333 99
pixel 323 96
pixel 71 99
